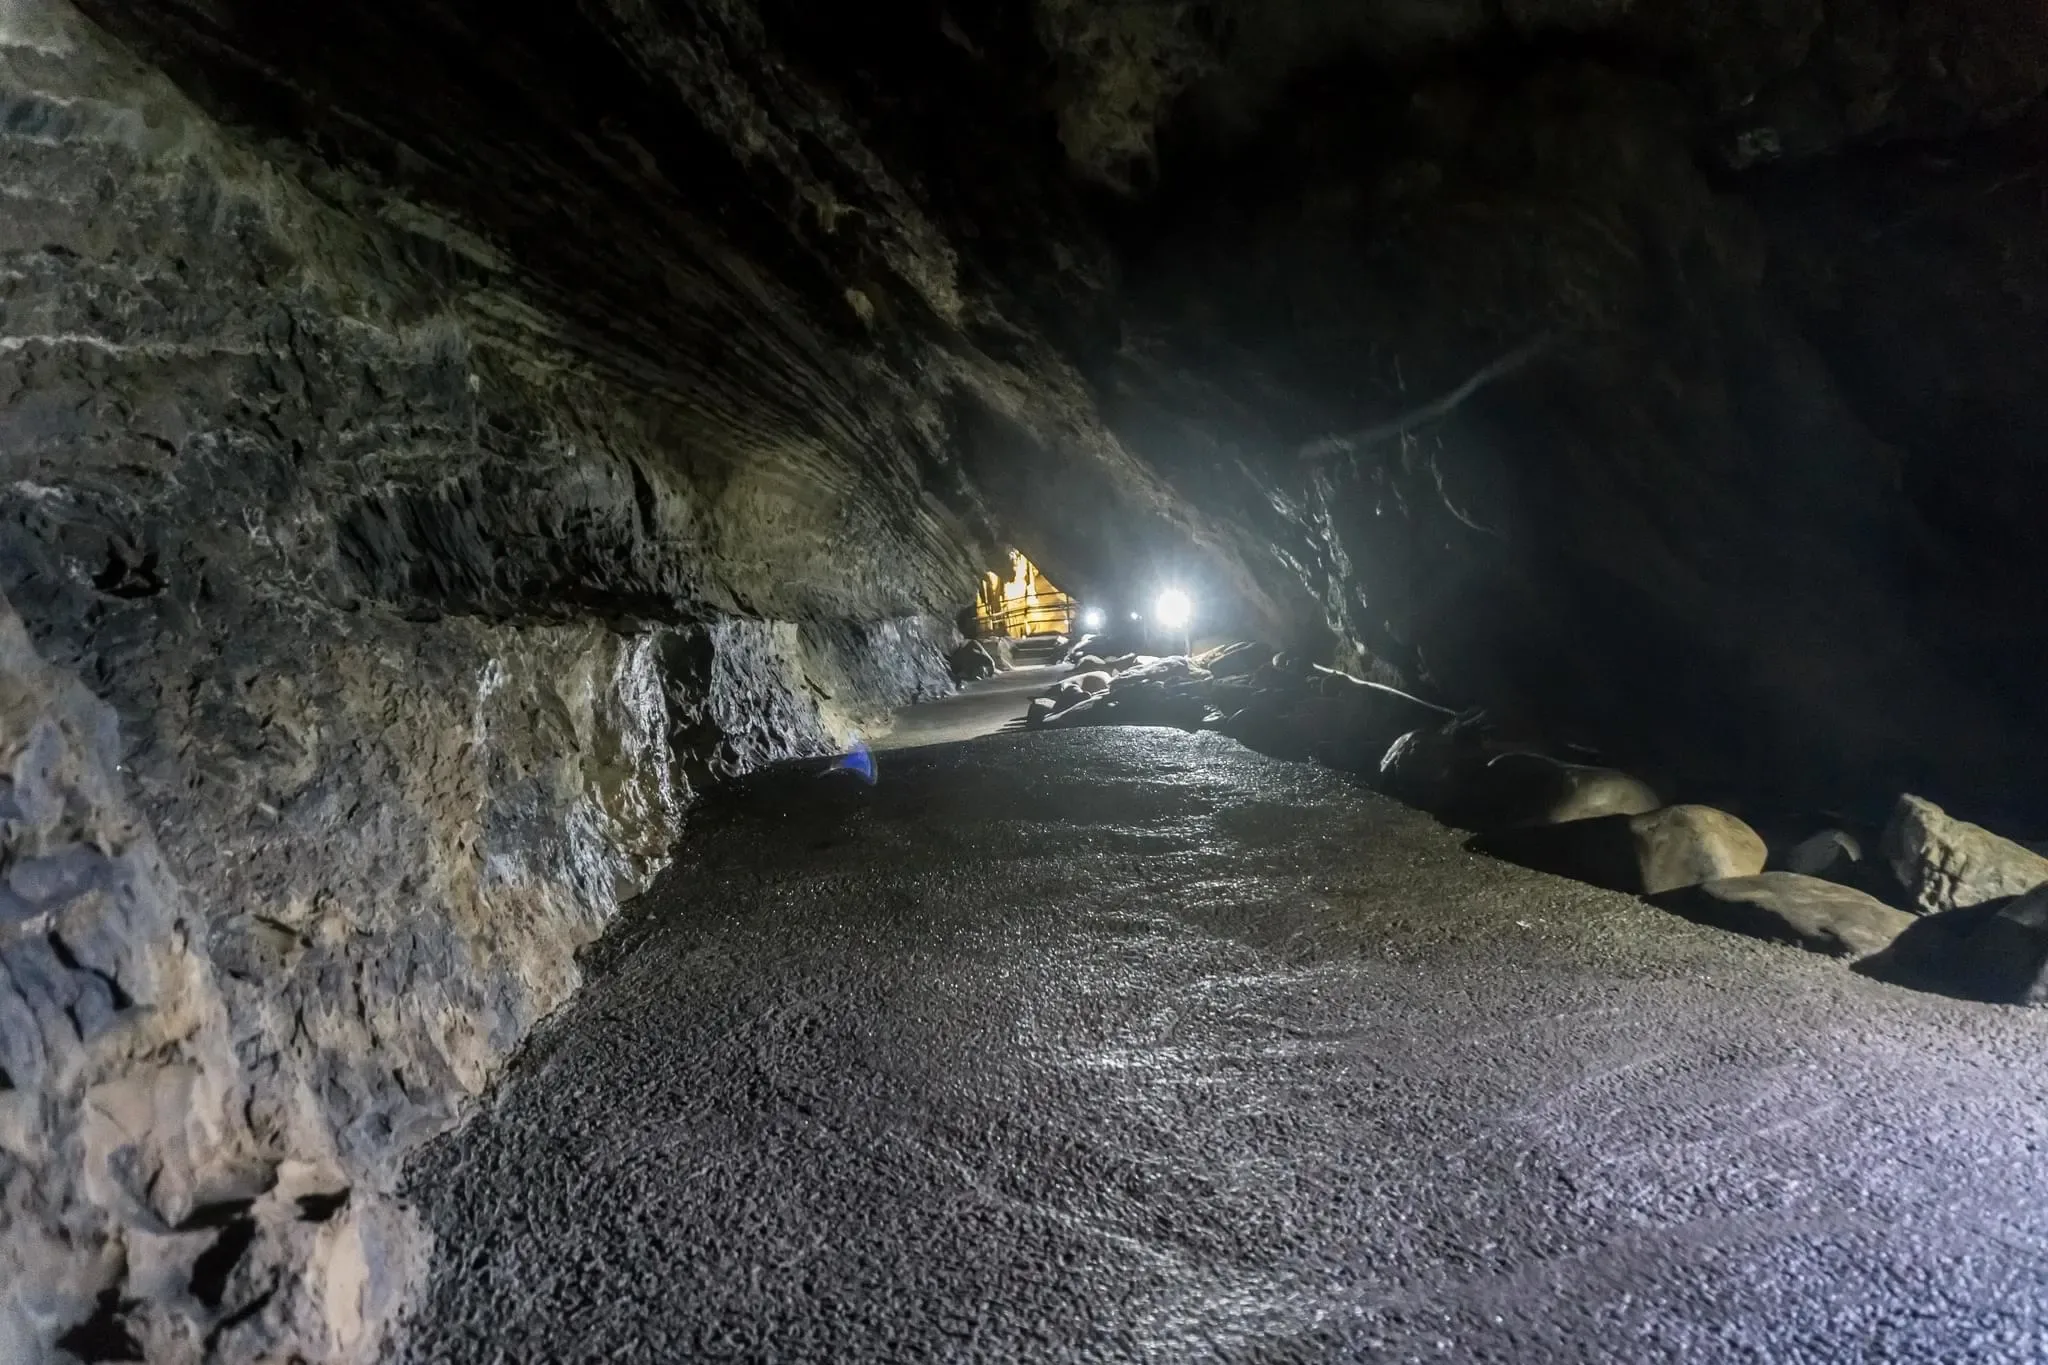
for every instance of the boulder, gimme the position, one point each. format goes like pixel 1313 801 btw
pixel 1235 660
pixel 1170 669
pixel 1270 679
pixel 1064 694
pixel 970 663
pixel 1789 907
pixel 1993 951
pixel 1093 682
pixel 1660 850
pixel 1949 864
pixel 1149 703
pixel 1431 768
pixel 1271 727
pixel 1830 853
pixel 1522 789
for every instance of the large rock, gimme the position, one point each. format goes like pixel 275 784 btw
pixel 1832 853
pixel 1071 692
pixel 1949 864
pixel 1364 717
pixel 1434 767
pixel 1787 907
pixel 1236 660
pixel 970 662
pixel 1521 789
pixel 1645 854
pixel 1280 727
pixel 1993 951
pixel 1427 768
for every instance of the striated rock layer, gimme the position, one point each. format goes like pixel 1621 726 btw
pixel 360 655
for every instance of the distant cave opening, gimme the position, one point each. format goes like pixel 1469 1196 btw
pixel 1025 604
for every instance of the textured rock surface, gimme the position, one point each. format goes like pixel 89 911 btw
pixel 1533 789
pixel 1713 525
pixel 1821 916
pixel 1949 864
pixel 1081 1047
pixel 1996 951
pixel 1662 850
pixel 410 639
pixel 1831 853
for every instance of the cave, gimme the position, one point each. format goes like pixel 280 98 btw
pixel 523 834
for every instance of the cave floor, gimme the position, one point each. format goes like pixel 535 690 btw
pixel 980 708
pixel 1135 1045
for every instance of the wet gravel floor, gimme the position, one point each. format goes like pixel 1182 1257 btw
pixel 1135 1045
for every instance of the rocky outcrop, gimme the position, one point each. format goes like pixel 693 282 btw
pixel 362 649
pixel 1535 789
pixel 1662 850
pixel 1996 951
pixel 1949 864
pixel 1786 907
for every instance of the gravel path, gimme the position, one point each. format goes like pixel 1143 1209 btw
pixel 978 709
pixel 1134 1045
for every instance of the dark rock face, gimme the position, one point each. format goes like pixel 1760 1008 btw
pixel 1661 850
pixel 1996 951
pixel 410 643
pixel 1820 916
pixel 440 436
pixel 1948 864
pixel 1694 523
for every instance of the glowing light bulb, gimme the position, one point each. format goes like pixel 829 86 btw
pixel 1173 609
pixel 1093 619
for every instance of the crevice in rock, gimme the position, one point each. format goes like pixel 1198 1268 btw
pixel 104 1336
pixel 223 1213
pixel 235 1319
pixel 319 1208
pixel 120 998
pixel 210 1273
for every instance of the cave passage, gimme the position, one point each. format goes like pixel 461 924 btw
pixel 1162 680
pixel 1024 604
pixel 1135 1045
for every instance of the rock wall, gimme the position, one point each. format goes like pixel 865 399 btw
pixel 1753 301
pixel 360 652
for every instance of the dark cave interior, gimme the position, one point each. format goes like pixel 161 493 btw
pixel 457 433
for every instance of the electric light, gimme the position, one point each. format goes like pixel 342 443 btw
pixel 1173 609
pixel 1092 618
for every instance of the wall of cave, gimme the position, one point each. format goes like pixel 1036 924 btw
pixel 360 654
